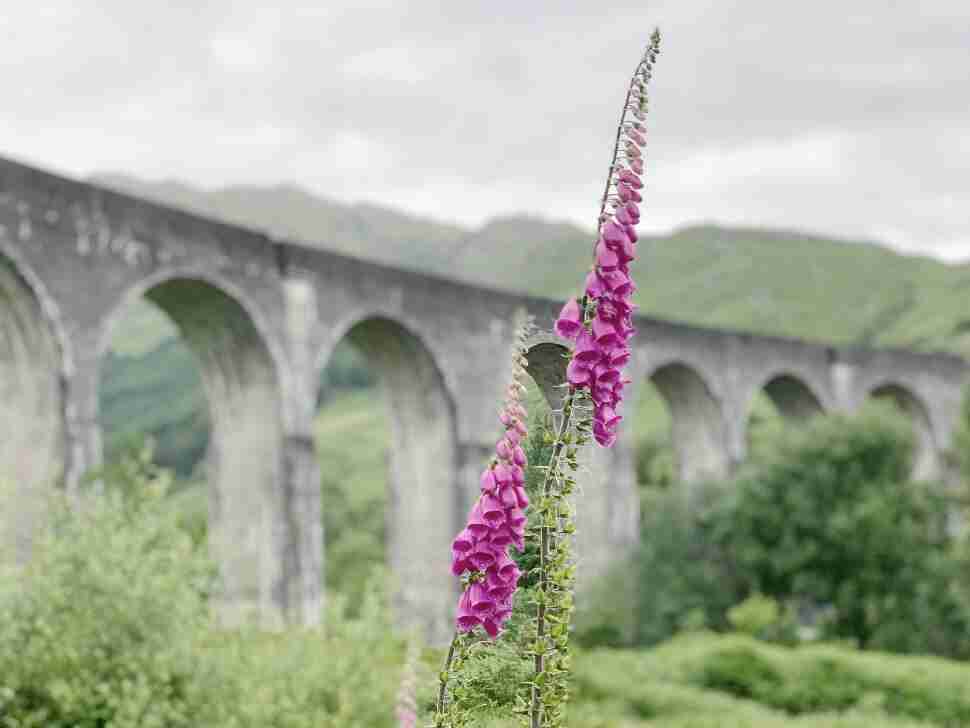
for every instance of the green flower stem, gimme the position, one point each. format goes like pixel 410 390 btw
pixel 645 64
pixel 443 678
pixel 546 537
pixel 546 540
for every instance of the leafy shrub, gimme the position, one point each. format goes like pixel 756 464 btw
pixel 344 676
pixel 755 615
pixel 606 609
pixel 685 575
pixel 824 684
pixel 99 628
pixel 825 518
pixel 109 626
pixel 832 518
pixel 809 687
pixel 492 677
pixel 739 671
pixel 761 617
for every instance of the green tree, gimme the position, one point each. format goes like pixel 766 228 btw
pixel 686 576
pixel 831 518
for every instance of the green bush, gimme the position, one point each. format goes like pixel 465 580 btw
pixel 824 684
pixel 109 625
pixel 808 687
pixel 739 671
pixel 825 518
pixel 606 609
pixel 345 676
pixel 819 679
pixel 685 576
pixel 832 519
pixel 761 617
pixel 493 676
pixel 755 615
pixel 100 628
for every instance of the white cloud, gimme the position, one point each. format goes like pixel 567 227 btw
pixel 844 120
pixel 393 64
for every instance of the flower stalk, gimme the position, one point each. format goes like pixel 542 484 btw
pixel 441 704
pixel 550 516
pixel 600 324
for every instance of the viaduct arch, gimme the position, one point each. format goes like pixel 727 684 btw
pixel 423 503
pixel 242 383
pixel 927 459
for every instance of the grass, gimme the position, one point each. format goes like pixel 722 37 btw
pixel 675 686
pixel 812 687
pixel 818 686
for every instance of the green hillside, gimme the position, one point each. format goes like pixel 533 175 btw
pixel 292 213
pixel 765 281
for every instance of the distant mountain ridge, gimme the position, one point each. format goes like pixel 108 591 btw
pixel 766 281
pixel 289 211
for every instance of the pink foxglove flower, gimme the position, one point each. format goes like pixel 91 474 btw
pixel 602 324
pixel 497 519
pixel 569 323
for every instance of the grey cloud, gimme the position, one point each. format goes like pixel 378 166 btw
pixel 469 109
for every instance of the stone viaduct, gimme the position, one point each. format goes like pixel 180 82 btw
pixel 263 316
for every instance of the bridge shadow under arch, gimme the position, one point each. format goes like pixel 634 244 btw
pixel 547 367
pixel 698 434
pixel 244 456
pixel 783 401
pixel 792 397
pixel 32 426
pixel 927 463
pixel 422 499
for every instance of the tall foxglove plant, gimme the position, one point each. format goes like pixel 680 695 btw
pixel 600 325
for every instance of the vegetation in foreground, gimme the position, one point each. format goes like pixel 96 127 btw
pixel 705 680
pixel 110 627
pixel 110 624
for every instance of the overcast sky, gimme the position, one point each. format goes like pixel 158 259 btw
pixel 844 117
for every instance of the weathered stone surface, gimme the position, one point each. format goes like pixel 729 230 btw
pixel 263 317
